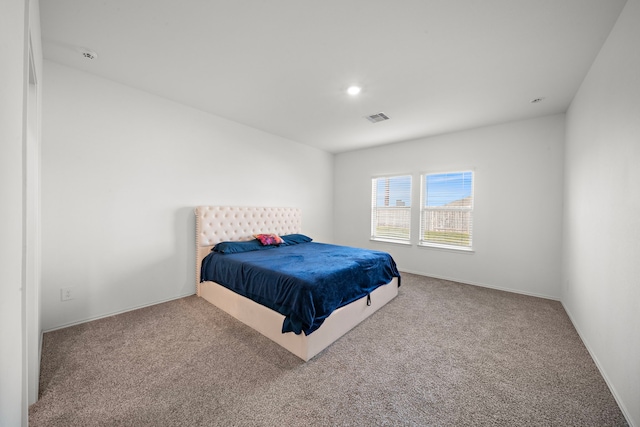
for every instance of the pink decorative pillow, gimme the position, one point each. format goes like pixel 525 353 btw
pixel 269 239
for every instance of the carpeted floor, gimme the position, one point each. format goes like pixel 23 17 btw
pixel 440 354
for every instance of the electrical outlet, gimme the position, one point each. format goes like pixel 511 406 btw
pixel 66 294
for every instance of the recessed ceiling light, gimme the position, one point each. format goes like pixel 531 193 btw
pixel 354 90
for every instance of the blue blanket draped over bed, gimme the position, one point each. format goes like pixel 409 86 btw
pixel 303 282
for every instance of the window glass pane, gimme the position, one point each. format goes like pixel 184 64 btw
pixel 391 208
pixel 446 213
pixel 394 191
pixel 449 188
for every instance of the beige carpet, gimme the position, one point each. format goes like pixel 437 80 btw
pixel 440 354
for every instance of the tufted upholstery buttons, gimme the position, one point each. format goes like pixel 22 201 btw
pixel 241 223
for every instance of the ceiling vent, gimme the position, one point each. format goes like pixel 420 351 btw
pixel 375 118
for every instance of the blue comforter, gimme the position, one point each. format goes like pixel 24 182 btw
pixel 304 282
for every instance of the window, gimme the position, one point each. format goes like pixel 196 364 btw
pixel 391 208
pixel 446 210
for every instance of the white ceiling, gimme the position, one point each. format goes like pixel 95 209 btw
pixel 433 66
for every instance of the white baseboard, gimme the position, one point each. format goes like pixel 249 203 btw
pixel 624 410
pixel 483 285
pixel 102 316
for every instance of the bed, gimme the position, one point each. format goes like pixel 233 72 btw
pixel 216 224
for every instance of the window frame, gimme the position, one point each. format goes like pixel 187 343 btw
pixel 374 207
pixel 422 242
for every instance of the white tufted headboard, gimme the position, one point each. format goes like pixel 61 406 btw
pixel 215 224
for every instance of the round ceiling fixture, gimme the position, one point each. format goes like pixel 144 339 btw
pixel 88 54
pixel 354 90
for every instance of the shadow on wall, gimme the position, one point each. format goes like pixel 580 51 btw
pixel 185 223
pixel 161 278
pixel 174 274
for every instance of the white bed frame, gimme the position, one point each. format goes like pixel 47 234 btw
pixel 215 224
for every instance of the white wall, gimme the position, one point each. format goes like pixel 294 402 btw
pixel 12 84
pixel 518 203
pixel 31 214
pixel 19 193
pixel 122 171
pixel 601 271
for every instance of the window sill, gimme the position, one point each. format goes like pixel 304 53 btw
pixel 395 242
pixel 459 249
